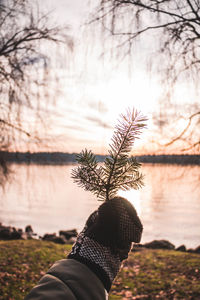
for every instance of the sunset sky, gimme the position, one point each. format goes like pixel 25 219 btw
pixel 94 90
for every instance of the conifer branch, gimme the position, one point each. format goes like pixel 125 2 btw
pixel 119 171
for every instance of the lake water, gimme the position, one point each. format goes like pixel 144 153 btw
pixel 47 198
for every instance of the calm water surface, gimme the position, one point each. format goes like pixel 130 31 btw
pixel 47 198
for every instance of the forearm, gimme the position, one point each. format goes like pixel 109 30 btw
pixel 68 279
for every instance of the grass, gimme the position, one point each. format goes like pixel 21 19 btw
pixel 148 274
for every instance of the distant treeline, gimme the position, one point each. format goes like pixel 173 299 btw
pixel 170 159
pixel 64 158
pixel 41 157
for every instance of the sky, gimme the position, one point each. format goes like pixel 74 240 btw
pixel 95 89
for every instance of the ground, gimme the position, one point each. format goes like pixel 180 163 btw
pixel 147 274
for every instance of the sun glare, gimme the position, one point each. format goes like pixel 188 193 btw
pixel 122 92
pixel 133 196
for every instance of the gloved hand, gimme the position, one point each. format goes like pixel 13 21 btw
pixel 107 237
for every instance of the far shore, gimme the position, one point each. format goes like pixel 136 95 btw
pixel 61 158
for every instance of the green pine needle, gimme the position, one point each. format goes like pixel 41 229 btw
pixel 118 171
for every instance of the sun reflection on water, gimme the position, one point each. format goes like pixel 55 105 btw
pixel 47 198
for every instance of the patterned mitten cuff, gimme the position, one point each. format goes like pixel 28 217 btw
pixel 106 238
pixel 102 260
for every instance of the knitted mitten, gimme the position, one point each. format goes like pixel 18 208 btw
pixel 106 238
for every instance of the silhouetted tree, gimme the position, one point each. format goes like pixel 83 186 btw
pixel 25 40
pixel 174 27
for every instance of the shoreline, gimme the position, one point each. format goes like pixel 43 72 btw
pixel 68 237
pixel 61 158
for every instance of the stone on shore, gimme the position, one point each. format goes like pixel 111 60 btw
pixel 53 238
pixel 69 237
pixel 181 248
pixel 29 229
pixel 10 233
pixel 159 244
pixel 197 249
pixel 68 234
pixel 137 247
pixel 190 250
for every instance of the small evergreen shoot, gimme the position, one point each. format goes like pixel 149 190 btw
pixel 119 171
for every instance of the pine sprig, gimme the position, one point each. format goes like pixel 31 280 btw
pixel 118 171
pixel 88 175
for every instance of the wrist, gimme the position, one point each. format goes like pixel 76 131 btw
pixel 100 259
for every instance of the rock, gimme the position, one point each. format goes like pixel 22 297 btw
pixel 49 237
pixel 190 250
pixel 197 250
pixel 68 233
pixel 59 240
pixel 16 234
pixel 5 232
pixel 29 229
pixel 159 244
pixel 181 248
pixel 53 238
pixel 137 247
pixel 10 233
pixel 29 234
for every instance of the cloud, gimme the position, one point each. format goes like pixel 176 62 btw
pixel 99 106
pixel 75 127
pixel 98 122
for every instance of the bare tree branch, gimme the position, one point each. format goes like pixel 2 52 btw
pixel 24 68
pixel 184 130
pixel 177 24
